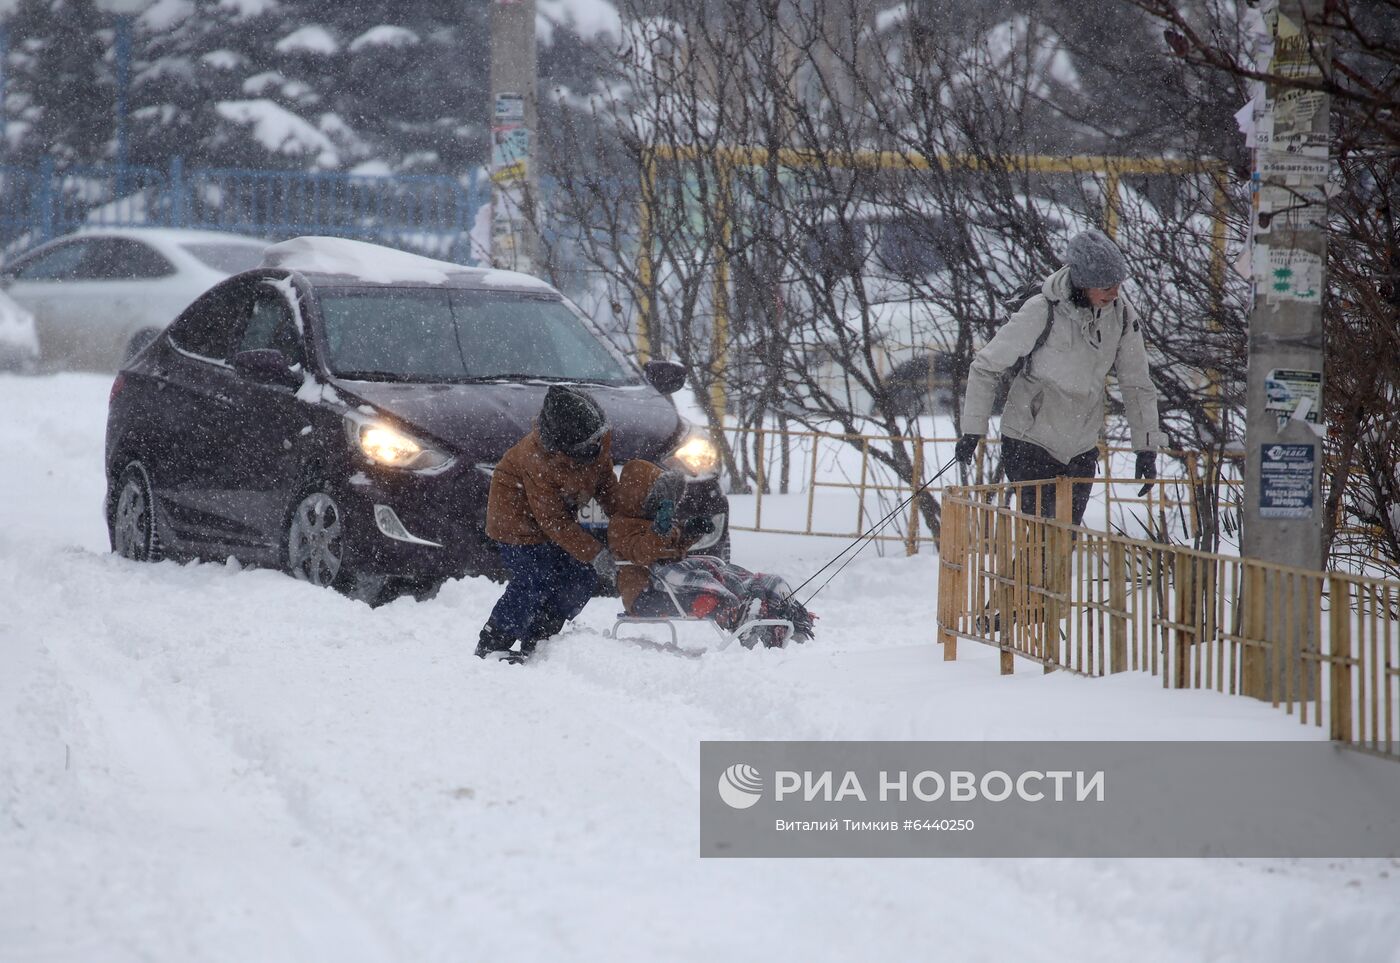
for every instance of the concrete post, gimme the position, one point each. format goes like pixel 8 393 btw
pixel 1284 425
pixel 514 177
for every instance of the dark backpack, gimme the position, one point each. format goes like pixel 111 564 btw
pixel 1016 302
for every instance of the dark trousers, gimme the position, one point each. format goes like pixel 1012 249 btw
pixel 545 581
pixel 1024 461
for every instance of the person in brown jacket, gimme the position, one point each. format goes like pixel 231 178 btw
pixel 537 489
pixel 642 532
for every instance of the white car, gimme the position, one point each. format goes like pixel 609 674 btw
pixel 99 296
pixel 912 342
pixel 19 344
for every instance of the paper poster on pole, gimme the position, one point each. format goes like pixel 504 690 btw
pixel 510 144
pixel 1292 208
pixel 1287 274
pixel 1294 112
pixel 1292 168
pixel 1286 481
pixel 510 169
pixel 1293 53
pixel 1244 120
pixel 510 108
pixel 1289 391
pixel 1263 125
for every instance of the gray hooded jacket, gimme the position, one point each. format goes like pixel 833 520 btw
pixel 1057 401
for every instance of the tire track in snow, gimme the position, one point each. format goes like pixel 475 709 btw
pixel 245 843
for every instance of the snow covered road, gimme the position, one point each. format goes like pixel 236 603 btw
pixel 205 762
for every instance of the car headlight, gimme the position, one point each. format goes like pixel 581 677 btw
pixel 386 445
pixel 697 454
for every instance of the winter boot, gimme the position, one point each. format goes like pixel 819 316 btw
pixel 493 642
pixel 543 626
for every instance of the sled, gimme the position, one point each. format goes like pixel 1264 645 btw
pixel 726 638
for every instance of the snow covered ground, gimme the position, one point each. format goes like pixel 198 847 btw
pixel 204 762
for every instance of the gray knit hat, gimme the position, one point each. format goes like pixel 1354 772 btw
pixel 1095 261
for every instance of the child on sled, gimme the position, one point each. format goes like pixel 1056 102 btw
pixel 652 551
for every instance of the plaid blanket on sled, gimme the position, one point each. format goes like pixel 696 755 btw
pixel 709 588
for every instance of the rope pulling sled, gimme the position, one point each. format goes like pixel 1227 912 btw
pixel 727 637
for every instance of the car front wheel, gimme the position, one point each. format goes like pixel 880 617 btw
pixel 133 516
pixel 316 540
pixel 316 550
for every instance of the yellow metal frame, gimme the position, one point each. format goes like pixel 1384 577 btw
pixel 1114 168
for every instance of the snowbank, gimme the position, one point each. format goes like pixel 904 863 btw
pixel 203 762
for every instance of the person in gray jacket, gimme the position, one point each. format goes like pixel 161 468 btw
pixel 1055 408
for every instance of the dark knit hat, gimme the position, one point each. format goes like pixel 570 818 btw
pixel 572 422
pixel 1095 261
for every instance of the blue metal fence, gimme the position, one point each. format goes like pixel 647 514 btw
pixel 428 214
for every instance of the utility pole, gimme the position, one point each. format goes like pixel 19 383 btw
pixel 1284 426
pixel 514 178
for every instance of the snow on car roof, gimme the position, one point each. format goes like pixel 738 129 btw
pixel 384 265
pixel 167 235
pixel 172 233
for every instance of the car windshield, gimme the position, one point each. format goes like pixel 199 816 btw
pixel 229 258
pixel 455 335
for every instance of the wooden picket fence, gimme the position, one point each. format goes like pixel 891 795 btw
pixel 1322 645
pixel 1175 505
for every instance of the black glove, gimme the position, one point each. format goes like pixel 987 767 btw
pixel 1146 468
pixel 967 446
pixel 606 566
pixel 697 526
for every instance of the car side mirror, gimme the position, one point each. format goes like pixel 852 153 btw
pixel 265 366
pixel 667 377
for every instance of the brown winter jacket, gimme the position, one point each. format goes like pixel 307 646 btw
pixel 634 543
pixel 536 494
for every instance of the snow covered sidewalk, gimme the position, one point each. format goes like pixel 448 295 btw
pixel 204 762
